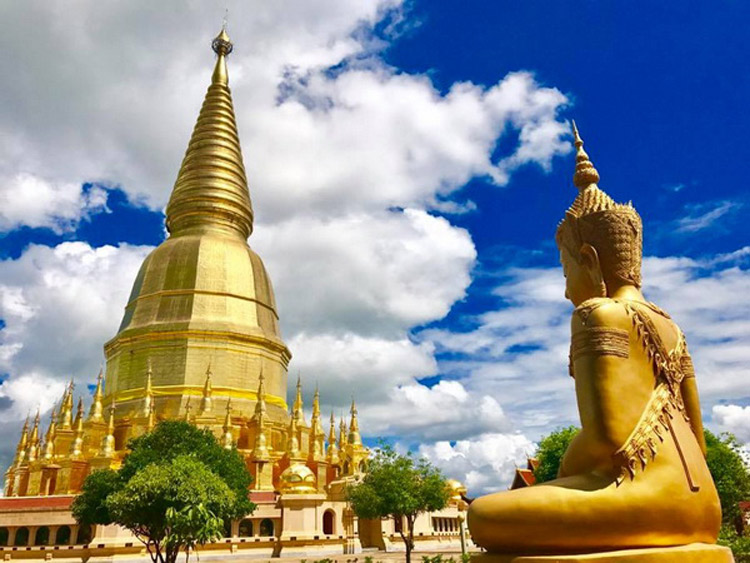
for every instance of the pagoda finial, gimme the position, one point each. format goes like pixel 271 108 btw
pixel 22 443
pixel 342 434
pixel 207 401
pixel 32 450
pixel 76 447
pixel 211 192
pixel 333 451
pixel 317 435
pixel 354 437
pixel 188 407
pixel 107 448
pixel 148 394
pixel 292 442
pixel 96 414
pixel 49 438
pixel 260 448
pixel 228 440
pixel 585 173
pixel 299 405
pixel 66 408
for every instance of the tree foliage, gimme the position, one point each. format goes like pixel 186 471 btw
pixel 399 487
pixel 550 452
pixel 730 473
pixel 174 490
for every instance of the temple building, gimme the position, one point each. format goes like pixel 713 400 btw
pixel 200 341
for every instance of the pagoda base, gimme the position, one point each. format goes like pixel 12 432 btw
pixel 693 553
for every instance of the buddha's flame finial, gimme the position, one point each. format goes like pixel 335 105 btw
pixel 585 173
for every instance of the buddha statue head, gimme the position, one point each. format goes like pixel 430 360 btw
pixel 600 241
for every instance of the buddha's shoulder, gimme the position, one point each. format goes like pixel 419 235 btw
pixel 601 312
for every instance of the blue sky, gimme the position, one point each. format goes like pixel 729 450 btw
pixel 433 138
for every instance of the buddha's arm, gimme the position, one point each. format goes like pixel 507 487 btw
pixel 612 387
pixel 689 391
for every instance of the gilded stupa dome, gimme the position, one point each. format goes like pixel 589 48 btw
pixel 298 479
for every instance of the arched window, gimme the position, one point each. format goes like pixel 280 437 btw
pixel 346 468
pixel 246 528
pixel 398 525
pixel 4 536
pixel 22 536
pixel 84 535
pixel 42 536
pixel 63 535
pixel 266 528
pixel 363 466
pixel 329 518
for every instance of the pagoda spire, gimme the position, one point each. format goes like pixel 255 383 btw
pixel 354 437
pixel 333 451
pixel 76 446
pixel 49 439
pixel 96 414
pixel 22 443
pixel 292 442
pixel 299 405
pixel 260 448
pixel 107 448
pixel 148 395
pixel 228 440
pixel 342 434
pixel 207 402
pixel 211 190
pixel 32 450
pixel 317 435
pixel 66 408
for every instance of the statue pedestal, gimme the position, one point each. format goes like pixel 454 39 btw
pixel 693 553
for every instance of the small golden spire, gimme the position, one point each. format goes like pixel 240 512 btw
pixel 354 438
pixel 188 407
pixel 207 402
pixel 107 448
pixel 342 434
pixel 96 414
pixel 76 447
pixel 299 405
pixel 228 437
pixel 260 448
pixel 22 443
pixel 66 409
pixel 292 443
pixel 317 435
pixel 49 439
pixel 211 190
pixel 148 394
pixel 585 173
pixel 333 451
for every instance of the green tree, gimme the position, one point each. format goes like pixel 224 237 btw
pixel 399 487
pixel 730 473
pixel 550 452
pixel 173 492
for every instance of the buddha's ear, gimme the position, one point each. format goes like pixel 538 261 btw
pixel 590 261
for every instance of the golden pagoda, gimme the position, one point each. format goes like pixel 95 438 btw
pixel 199 341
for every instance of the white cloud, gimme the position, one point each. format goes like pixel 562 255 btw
pixel 734 419
pixel 484 464
pixel 59 306
pixel 703 216
pixel 446 411
pixel 29 200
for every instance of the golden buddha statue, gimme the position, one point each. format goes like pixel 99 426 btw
pixel 635 477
